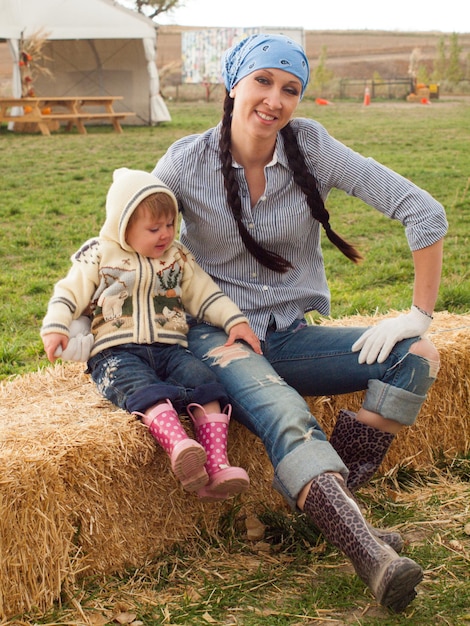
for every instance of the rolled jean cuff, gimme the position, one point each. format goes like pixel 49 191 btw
pixel 393 403
pixel 300 466
pixel 208 393
pixel 146 397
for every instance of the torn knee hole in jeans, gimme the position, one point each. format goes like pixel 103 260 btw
pixel 426 350
pixel 433 365
pixel 224 355
pixel 434 368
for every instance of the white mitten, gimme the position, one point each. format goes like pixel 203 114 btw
pixel 80 326
pixel 78 348
pixel 80 341
pixel 377 342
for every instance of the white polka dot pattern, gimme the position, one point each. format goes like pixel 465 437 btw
pixel 167 430
pixel 213 437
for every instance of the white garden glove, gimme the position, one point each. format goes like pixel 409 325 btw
pixel 377 342
pixel 80 341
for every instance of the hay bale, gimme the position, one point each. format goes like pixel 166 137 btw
pixel 443 425
pixel 84 489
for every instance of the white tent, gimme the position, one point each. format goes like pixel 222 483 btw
pixel 94 48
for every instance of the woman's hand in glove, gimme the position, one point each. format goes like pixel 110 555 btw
pixel 376 343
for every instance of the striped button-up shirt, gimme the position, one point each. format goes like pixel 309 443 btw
pixel 281 220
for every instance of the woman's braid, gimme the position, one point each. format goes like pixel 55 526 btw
pixel 302 177
pixel 306 181
pixel 267 258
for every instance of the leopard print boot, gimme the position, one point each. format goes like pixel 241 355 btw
pixel 391 578
pixel 362 449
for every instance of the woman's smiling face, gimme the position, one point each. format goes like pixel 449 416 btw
pixel 265 100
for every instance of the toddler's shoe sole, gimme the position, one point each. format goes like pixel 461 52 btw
pixel 224 484
pixel 187 461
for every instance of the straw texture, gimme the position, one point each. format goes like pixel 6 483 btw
pixel 84 489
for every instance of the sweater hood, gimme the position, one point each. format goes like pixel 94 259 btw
pixel 128 189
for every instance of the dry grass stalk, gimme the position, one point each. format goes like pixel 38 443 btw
pixel 192 578
pixel 32 60
pixel 83 488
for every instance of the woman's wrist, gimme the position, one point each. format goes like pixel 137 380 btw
pixel 426 313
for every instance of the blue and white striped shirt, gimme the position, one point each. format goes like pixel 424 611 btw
pixel 281 220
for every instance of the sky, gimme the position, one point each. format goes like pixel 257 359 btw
pixel 400 15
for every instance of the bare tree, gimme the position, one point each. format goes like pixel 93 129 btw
pixel 153 8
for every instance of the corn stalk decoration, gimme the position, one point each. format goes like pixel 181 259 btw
pixel 31 62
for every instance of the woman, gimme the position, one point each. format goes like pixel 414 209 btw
pixel 252 192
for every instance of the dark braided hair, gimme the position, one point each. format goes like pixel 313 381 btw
pixel 302 177
pixel 306 181
pixel 267 258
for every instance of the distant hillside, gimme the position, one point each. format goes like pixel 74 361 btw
pixel 350 54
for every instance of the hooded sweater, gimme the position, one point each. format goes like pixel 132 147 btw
pixel 132 298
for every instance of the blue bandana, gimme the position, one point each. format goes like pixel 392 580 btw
pixel 262 52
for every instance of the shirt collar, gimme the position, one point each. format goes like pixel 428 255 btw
pixel 272 162
pixel 279 155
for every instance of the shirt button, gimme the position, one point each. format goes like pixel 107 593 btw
pixel 263 198
pixel 265 287
pixel 254 275
pixel 251 225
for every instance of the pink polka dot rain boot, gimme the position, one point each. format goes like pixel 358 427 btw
pixel 225 481
pixel 186 455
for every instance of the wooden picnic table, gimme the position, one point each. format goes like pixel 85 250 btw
pixel 74 110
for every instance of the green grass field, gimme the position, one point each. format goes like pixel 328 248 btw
pixel 53 197
pixel 54 188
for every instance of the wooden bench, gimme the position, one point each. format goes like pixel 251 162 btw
pixel 40 112
pixel 77 119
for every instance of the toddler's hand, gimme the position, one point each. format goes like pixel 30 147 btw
pixel 75 348
pixel 78 348
pixel 54 343
pixel 244 332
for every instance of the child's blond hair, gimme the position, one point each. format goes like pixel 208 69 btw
pixel 157 204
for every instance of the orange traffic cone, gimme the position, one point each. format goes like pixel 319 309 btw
pixel 366 97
